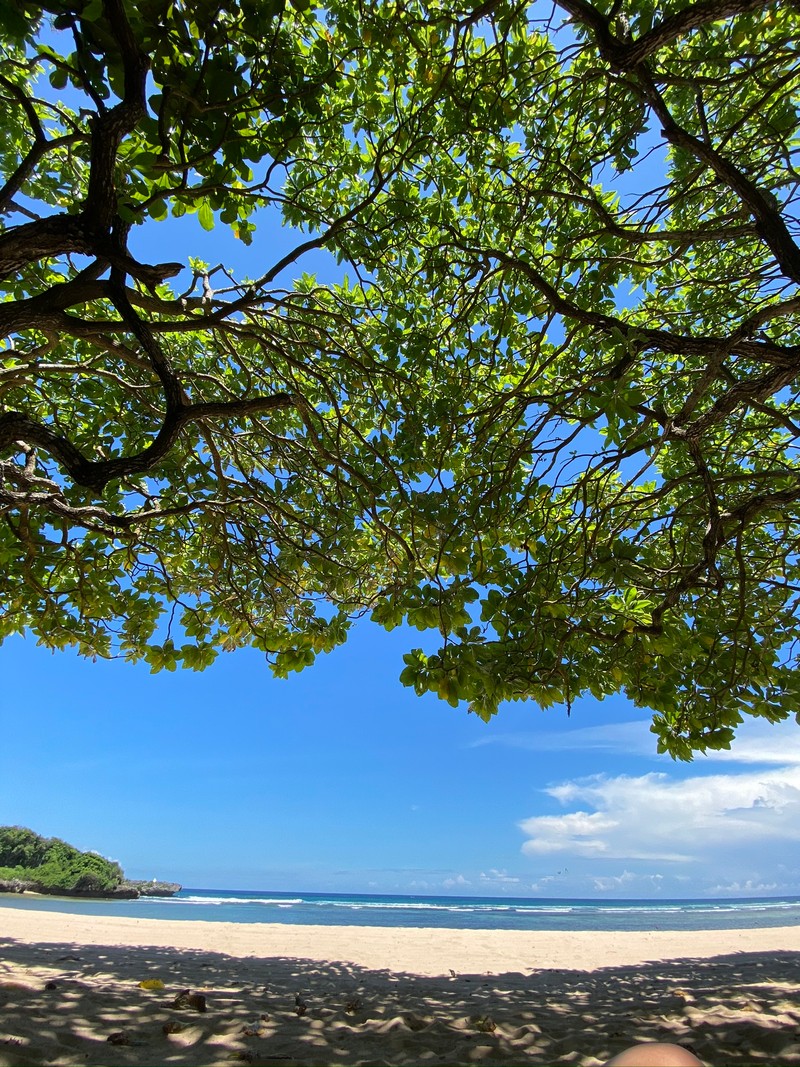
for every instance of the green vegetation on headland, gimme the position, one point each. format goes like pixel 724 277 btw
pixel 30 862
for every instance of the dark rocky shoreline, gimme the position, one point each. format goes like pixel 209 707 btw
pixel 127 890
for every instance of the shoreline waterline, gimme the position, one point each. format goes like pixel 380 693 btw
pixel 412 950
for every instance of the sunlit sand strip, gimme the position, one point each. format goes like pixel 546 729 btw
pixel 413 951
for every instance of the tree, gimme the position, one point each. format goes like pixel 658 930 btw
pixel 20 847
pixel 52 865
pixel 549 410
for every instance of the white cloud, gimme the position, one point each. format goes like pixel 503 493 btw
pixel 759 741
pixel 746 889
pixel 631 737
pixel 578 832
pixel 549 882
pixel 723 825
pixel 628 880
pixel 756 741
pixel 728 822
pixel 495 877
pixel 458 881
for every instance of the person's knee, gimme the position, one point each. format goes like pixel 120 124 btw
pixel 655 1054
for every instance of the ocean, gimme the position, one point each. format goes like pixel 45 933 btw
pixel 465 913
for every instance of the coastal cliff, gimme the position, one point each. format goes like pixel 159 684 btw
pixel 30 863
pixel 127 890
pixel 152 889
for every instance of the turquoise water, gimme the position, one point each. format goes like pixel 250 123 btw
pixel 482 913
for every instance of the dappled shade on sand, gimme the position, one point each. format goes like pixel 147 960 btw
pixel 66 1003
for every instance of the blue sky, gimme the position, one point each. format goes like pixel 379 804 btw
pixel 341 779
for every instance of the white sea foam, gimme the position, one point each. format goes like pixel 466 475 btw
pixel 229 900
pixel 410 906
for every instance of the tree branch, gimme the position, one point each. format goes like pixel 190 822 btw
pixel 769 223
pixel 15 425
pixel 41 145
pixel 643 337
pixel 629 56
pixel 626 54
pixel 682 22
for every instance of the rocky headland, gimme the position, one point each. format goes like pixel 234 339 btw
pixel 30 863
pixel 127 890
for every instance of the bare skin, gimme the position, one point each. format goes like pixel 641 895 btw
pixel 655 1054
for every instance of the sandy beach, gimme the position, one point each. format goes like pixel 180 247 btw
pixel 224 993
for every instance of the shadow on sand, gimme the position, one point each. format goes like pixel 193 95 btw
pixel 60 1004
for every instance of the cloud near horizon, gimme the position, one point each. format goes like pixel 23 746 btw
pixel 655 817
pixel 727 832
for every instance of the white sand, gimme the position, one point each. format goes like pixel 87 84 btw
pixel 387 995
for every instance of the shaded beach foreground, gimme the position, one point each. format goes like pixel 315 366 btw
pixel 284 995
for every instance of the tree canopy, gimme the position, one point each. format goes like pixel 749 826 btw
pixel 549 408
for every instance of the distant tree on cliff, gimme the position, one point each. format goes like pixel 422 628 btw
pixel 52 864
pixel 550 412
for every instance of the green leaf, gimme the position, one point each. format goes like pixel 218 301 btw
pixel 205 215
pixel 58 78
